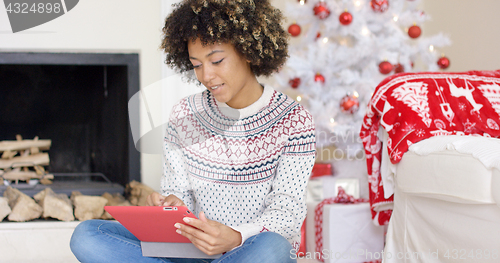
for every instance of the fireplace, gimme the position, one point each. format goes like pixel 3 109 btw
pixel 79 101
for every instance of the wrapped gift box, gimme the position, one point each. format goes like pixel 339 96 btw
pixel 349 234
pixel 321 169
pixel 325 187
pixel 319 189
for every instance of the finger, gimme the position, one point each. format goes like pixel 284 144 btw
pixel 206 226
pixel 203 217
pixel 157 198
pixel 197 237
pixel 194 234
pixel 160 200
pixel 172 200
pixel 178 202
pixel 153 199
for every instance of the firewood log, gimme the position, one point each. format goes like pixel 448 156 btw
pixel 54 205
pixel 138 193
pixel 25 161
pixel 114 200
pixel 4 208
pixel 24 208
pixel 89 207
pixel 24 145
pixel 24 176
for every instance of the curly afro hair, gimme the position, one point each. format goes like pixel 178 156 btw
pixel 253 27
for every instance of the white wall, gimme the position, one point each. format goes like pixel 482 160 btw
pixel 473 29
pixel 114 26
pixel 471 25
pixel 135 26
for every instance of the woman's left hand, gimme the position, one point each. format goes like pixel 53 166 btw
pixel 209 236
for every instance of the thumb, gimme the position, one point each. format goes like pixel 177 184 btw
pixel 203 217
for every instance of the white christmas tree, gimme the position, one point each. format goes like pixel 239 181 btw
pixel 341 50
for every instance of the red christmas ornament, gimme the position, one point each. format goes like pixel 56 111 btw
pixel 414 31
pixel 385 67
pixel 294 30
pixel 295 82
pixel 349 104
pixel 345 18
pixel 443 62
pixel 319 78
pixel 399 68
pixel 321 10
pixel 380 5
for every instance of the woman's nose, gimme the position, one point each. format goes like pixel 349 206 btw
pixel 207 74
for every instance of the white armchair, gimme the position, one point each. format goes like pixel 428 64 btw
pixel 446 202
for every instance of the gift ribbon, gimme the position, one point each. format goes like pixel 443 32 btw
pixel 341 198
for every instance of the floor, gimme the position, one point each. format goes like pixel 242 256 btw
pixel 36 242
pixel 42 242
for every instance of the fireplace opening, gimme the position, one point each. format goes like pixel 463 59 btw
pixel 79 101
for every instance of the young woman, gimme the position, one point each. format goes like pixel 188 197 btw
pixel 238 154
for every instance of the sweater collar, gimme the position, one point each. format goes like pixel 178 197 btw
pixel 250 110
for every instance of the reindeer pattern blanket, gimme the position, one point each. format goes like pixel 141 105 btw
pixel 414 106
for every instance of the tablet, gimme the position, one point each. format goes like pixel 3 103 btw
pixel 152 223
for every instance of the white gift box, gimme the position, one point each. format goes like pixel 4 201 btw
pixel 325 187
pixel 319 189
pixel 349 234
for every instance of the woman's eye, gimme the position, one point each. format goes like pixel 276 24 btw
pixel 217 62
pixel 196 66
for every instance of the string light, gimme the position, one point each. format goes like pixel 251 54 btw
pixel 302 2
pixel 431 48
pixel 365 31
pixel 395 18
pixel 355 94
pixel 325 40
pixel 332 120
pixel 299 98
pixel 357 3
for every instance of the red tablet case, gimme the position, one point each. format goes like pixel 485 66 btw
pixel 152 223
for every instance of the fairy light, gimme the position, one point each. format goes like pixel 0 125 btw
pixel 325 40
pixel 431 48
pixel 332 120
pixel 365 31
pixel 395 18
pixel 302 2
pixel 355 94
pixel 299 98
pixel 357 3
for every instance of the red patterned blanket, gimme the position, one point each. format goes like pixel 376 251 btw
pixel 415 106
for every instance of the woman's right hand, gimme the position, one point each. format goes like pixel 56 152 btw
pixel 156 199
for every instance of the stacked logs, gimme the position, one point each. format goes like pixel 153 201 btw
pixel 19 207
pixel 22 160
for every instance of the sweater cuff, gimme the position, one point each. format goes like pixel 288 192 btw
pixel 247 230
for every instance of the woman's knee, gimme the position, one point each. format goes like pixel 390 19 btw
pixel 81 238
pixel 275 246
pixel 276 239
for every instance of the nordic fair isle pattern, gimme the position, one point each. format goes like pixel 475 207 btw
pixel 249 173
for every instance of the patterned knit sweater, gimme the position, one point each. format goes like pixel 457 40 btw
pixel 245 168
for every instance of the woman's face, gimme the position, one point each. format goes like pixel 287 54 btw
pixel 225 73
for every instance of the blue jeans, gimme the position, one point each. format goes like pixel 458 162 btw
pixel 97 241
